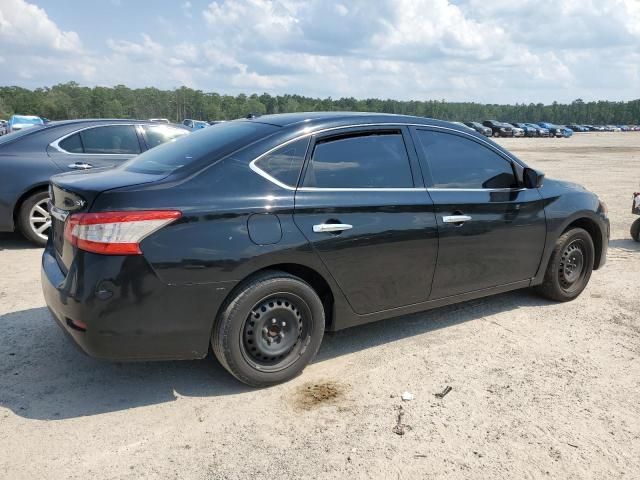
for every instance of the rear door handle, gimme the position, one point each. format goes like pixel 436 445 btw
pixel 331 227
pixel 456 218
pixel 80 166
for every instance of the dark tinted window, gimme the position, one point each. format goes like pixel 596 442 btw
pixel 72 144
pixel 111 139
pixel 457 162
pixel 375 160
pixel 202 146
pixel 158 134
pixel 284 164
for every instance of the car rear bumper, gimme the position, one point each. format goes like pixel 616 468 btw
pixel 140 319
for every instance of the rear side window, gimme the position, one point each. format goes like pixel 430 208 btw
pixel 457 162
pixel 158 134
pixel 203 146
pixel 371 160
pixel 72 144
pixel 111 139
pixel 284 164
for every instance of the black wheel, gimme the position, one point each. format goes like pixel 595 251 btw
pixel 34 221
pixel 635 230
pixel 569 267
pixel 270 330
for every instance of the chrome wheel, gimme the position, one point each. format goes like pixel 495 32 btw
pixel 39 219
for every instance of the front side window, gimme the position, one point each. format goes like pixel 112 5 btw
pixel 370 160
pixel 111 139
pixel 457 162
pixel 284 164
pixel 158 134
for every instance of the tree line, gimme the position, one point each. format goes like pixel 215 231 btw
pixel 70 100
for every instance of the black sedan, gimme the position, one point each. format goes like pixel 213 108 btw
pixel 28 159
pixel 478 127
pixel 499 129
pixel 255 236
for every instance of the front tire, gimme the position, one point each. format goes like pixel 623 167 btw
pixel 270 330
pixel 635 230
pixel 34 221
pixel 570 266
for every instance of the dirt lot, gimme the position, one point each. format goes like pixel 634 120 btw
pixel 539 390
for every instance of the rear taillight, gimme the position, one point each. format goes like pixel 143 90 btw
pixel 115 233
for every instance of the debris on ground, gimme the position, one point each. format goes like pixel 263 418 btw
pixel 400 428
pixel 408 396
pixel 444 392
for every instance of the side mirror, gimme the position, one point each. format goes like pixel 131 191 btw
pixel 532 178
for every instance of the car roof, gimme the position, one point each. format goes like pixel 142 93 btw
pixel 311 118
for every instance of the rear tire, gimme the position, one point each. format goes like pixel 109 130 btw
pixel 34 221
pixel 270 329
pixel 570 266
pixel 635 230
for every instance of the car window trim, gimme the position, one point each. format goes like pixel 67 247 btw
pixel 56 143
pixel 266 176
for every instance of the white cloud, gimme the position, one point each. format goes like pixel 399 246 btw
pixel 25 25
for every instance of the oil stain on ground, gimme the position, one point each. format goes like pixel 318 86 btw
pixel 316 394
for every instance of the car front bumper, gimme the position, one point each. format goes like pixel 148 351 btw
pixel 116 308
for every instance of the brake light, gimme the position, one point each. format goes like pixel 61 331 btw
pixel 115 233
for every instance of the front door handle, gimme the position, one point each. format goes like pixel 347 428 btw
pixel 80 166
pixel 331 227
pixel 456 218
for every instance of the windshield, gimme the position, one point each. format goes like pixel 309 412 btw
pixel 203 146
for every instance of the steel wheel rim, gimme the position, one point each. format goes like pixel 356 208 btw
pixel 39 219
pixel 258 328
pixel 573 265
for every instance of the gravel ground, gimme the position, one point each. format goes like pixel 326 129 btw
pixel 539 390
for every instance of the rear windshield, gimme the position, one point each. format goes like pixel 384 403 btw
pixel 202 146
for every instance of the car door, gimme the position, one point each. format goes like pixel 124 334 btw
pixel 96 147
pixel 363 207
pixel 491 230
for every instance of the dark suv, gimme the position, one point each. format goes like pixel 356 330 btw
pixel 255 236
pixel 499 129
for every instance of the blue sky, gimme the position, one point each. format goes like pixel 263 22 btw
pixel 497 51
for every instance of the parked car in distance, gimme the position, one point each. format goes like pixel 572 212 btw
pixel 194 124
pixel 517 131
pixel 498 129
pixel 19 122
pixel 528 131
pixel 30 156
pixel 554 130
pixel 159 120
pixel 565 131
pixel 481 129
pixel 541 131
pixel 255 236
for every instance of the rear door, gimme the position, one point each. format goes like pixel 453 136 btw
pixel 362 204
pixel 492 231
pixel 96 147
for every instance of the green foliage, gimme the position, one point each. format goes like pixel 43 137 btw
pixel 70 100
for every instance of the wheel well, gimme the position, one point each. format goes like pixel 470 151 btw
pixel 23 197
pixel 594 231
pixel 313 278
